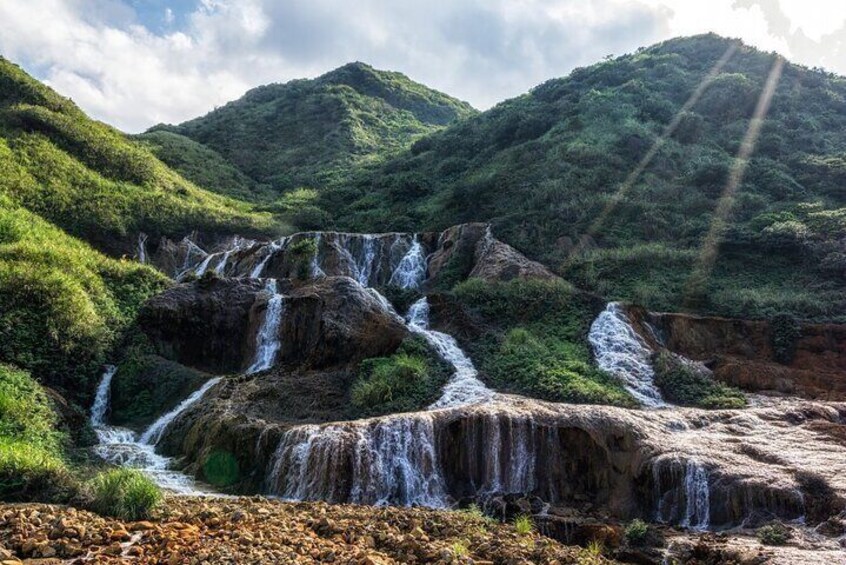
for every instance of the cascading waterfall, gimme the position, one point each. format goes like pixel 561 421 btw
pixel 156 430
pixel 121 446
pixel 316 270
pixel 697 493
pixel 619 350
pixel 267 339
pixel 464 387
pixel 272 248
pixel 411 270
pixel 142 248
pixel 390 460
pixel 683 492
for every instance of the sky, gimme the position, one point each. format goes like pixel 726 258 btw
pixel 136 63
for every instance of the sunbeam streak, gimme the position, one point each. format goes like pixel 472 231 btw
pixel 711 243
pixel 596 225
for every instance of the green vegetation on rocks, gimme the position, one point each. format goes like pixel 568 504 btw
pixel 683 383
pixel 408 380
pixel 536 343
pixel 543 167
pixel 32 462
pixel 127 494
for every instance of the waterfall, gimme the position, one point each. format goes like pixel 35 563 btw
pixel 697 495
pixel 203 267
pixel 620 351
pixel 267 339
pixel 121 446
pixel 142 248
pixel 411 270
pixel 191 252
pixel 390 460
pixel 463 387
pixel 156 430
pixel 683 492
pixel 272 248
pixel 316 270
pixel 101 398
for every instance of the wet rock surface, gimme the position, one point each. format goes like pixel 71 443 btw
pixel 246 530
pixel 211 324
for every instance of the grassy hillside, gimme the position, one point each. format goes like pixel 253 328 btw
pixel 94 182
pixel 201 165
pixel 311 132
pixel 544 166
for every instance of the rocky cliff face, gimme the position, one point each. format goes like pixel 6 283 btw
pixel 807 360
pixel 211 324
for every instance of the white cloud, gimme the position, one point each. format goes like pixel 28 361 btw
pixel 98 53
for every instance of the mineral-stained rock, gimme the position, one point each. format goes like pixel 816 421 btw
pixel 741 352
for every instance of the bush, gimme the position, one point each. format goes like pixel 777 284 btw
pixel 524 525
pixel 127 494
pixel 683 383
pixel 636 532
pixel 408 380
pixel 785 332
pixel 32 464
pixel 774 534
pixel 538 341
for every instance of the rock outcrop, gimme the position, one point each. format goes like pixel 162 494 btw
pixel 207 324
pixel 810 361
pixel 211 324
pixel 470 250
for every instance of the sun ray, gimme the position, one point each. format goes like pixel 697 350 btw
pixel 596 225
pixel 711 243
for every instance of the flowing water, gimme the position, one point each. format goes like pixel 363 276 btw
pixel 267 339
pixel 142 248
pixel 464 387
pixel 121 446
pixel 620 351
pixel 697 494
pixel 154 433
pixel 411 270
pixel 388 460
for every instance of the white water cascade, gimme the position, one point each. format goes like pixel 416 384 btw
pixel 121 446
pixel 154 433
pixel 411 270
pixel 267 339
pixel 142 248
pixel 697 495
pixel 389 460
pixel 271 248
pixel 619 350
pixel 464 387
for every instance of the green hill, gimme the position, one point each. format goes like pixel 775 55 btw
pixel 70 186
pixel 93 181
pixel 544 166
pixel 312 132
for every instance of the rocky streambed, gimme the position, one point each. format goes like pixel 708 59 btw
pixel 256 530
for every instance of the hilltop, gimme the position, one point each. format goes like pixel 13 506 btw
pixel 544 166
pixel 313 132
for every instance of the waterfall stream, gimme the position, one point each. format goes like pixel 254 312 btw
pixel 267 339
pixel 123 447
pixel 411 270
pixel 620 351
pixel 464 387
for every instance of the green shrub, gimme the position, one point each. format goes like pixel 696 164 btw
pixel 687 385
pixel 524 525
pixel 636 532
pixel 537 343
pixel 408 380
pixel 127 494
pixel 784 333
pixel 32 463
pixel 774 534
